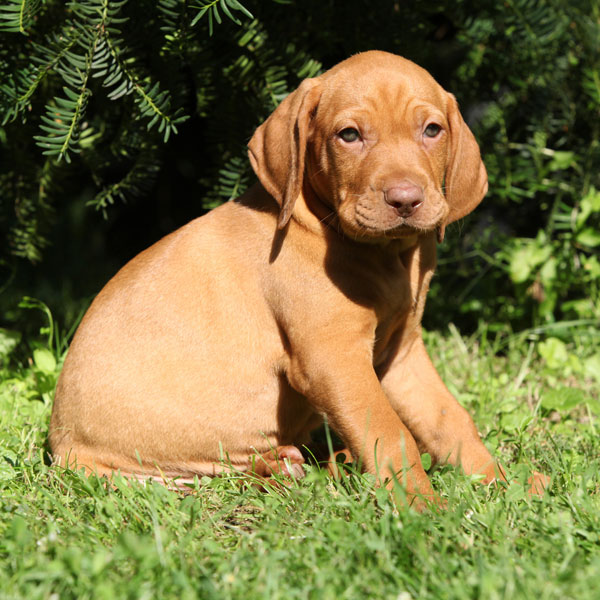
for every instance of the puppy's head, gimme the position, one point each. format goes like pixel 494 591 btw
pixel 379 142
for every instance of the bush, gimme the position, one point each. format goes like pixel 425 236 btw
pixel 152 102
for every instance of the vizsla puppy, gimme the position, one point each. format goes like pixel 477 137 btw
pixel 226 343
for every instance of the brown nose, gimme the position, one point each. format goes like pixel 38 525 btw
pixel 405 197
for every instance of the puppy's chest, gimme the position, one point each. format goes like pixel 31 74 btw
pixel 399 287
pixel 395 320
pixel 400 304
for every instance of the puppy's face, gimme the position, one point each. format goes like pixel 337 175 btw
pixel 379 142
pixel 378 150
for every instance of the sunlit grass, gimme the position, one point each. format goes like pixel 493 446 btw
pixel 65 536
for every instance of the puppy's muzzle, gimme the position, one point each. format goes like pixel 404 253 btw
pixel 405 197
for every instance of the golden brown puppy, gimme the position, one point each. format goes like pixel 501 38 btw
pixel 236 335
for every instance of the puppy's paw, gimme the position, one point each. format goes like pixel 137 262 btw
pixel 538 482
pixel 426 503
pixel 419 495
pixel 283 460
pixel 290 462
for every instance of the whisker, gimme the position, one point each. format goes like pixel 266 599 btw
pixel 331 214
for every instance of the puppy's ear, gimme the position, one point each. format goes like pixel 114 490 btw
pixel 466 177
pixel 278 147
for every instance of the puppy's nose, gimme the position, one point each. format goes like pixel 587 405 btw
pixel 405 197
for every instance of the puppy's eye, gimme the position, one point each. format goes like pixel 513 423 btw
pixel 349 134
pixel 432 130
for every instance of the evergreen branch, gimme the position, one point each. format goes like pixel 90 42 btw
pixel 152 103
pixel 138 180
pixel 170 15
pixel 64 115
pixel 62 119
pixel 81 100
pixel 591 84
pixel 211 7
pixel 31 76
pixel 32 209
pixel 17 15
pixel 233 180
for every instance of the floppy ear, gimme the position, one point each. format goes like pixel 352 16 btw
pixel 278 147
pixel 466 177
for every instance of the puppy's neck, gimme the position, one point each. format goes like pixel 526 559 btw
pixel 314 214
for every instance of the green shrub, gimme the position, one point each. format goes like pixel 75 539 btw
pixel 152 102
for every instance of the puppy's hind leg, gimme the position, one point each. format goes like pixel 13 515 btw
pixel 282 460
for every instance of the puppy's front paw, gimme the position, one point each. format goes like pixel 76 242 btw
pixel 538 482
pixel 419 495
pixel 424 503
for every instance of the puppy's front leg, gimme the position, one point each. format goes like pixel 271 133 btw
pixel 439 423
pixel 345 388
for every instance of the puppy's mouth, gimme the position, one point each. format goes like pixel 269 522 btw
pixel 379 219
pixel 397 232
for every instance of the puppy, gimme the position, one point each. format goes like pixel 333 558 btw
pixel 227 342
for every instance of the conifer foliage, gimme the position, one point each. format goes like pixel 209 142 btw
pixel 95 94
pixel 81 54
pixel 106 83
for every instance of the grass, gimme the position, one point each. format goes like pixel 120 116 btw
pixel 535 402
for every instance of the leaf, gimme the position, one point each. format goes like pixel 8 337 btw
pixel 8 341
pixel 382 495
pixel 548 271
pixel 525 259
pixel 591 366
pixel 583 307
pixel 590 204
pixel 562 160
pixel 515 492
pixel 554 352
pixel 426 461
pixel 592 265
pixel 563 399
pixel 44 360
pixel 515 421
pixel 18 535
pixel 589 237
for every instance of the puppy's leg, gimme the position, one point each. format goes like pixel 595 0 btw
pixel 345 388
pixel 441 426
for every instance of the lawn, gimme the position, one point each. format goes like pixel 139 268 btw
pixel 534 396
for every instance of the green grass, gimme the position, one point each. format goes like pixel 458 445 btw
pixel 535 403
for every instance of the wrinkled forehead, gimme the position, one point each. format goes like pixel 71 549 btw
pixel 381 89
